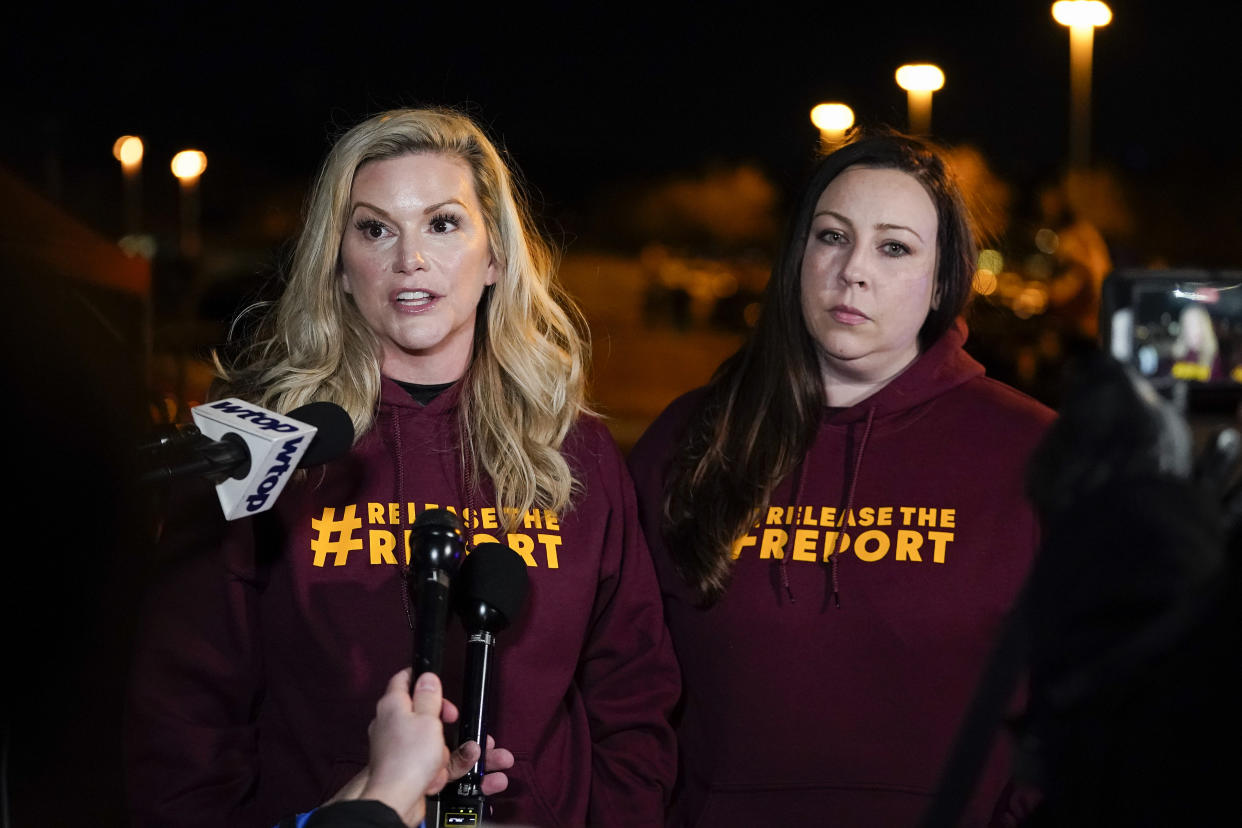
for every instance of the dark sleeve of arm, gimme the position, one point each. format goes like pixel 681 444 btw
pixel 190 730
pixel 629 676
pixel 355 813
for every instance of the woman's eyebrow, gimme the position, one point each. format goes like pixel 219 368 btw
pixel 880 226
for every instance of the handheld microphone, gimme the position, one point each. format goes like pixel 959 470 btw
pixel 436 550
pixel 494 583
pixel 250 452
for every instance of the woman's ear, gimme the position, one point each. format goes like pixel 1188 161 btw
pixel 343 276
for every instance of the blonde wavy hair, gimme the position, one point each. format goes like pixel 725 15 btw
pixel 526 382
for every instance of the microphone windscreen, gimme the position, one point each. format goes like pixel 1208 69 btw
pixel 335 434
pixel 437 517
pixel 495 575
pixel 436 542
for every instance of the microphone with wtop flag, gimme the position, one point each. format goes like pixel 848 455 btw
pixel 247 451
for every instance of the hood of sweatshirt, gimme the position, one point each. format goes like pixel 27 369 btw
pixel 271 650
pixel 938 370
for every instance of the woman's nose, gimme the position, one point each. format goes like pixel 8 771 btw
pixel 410 257
pixel 854 271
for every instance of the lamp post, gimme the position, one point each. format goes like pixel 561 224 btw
pixel 128 150
pixel 187 166
pixel 1082 17
pixel 832 120
pixel 920 80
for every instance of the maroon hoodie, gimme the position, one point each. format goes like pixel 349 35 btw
pixel 798 711
pixel 264 655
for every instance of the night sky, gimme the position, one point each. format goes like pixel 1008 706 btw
pixel 587 97
pixel 590 100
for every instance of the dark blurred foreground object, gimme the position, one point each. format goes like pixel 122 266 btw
pixel 1129 624
pixel 76 550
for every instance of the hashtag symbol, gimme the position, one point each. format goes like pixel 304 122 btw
pixel 335 537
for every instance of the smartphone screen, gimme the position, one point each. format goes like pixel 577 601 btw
pixel 1177 327
pixel 1188 331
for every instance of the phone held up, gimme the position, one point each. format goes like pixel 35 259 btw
pixel 1182 331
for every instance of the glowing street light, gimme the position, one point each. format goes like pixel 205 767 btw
pixel 832 119
pixel 128 150
pixel 920 80
pixel 1082 17
pixel 188 166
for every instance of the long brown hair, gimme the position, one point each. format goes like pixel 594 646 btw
pixel 763 405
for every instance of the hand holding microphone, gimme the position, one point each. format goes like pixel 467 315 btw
pixel 491 588
pixel 409 759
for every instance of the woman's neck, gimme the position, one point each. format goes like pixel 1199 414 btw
pixel 844 388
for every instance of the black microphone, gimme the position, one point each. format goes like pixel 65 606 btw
pixel 185 450
pixel 492 589
pixel 436 550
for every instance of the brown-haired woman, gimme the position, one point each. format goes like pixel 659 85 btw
pixel 837 518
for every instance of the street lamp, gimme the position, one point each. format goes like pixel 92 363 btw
pixel 920 80
pixel 188 165
pixel 128 150
pixel 1081 16
pixel 832 119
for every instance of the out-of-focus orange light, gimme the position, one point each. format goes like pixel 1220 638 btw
pixel 985 282
pixel 1009 284
pixel 832 117
pixel 188 165
pixel 1031 301
pixel 1081 13
pixel 128 150
pixel 920 77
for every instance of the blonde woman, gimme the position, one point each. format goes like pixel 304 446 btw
pixel 422 300
pixel 1196 350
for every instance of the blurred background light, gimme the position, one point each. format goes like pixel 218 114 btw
pixel 188 165
pixel 1081 13
pixel 128 150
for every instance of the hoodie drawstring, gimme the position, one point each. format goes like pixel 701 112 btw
pixel 403 563
pixel 849 505
pixel 795 498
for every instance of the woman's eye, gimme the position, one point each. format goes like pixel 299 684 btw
pixel 372 229
pixel 895 249
pixel 832 237
pixel 443 224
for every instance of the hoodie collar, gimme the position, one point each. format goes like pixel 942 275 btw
pixel 394 396
pixel 940 368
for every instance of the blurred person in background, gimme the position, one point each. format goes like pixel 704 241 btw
pixel 1196 350
pixel 1133 611
pixel 838 518
pixel 421 299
